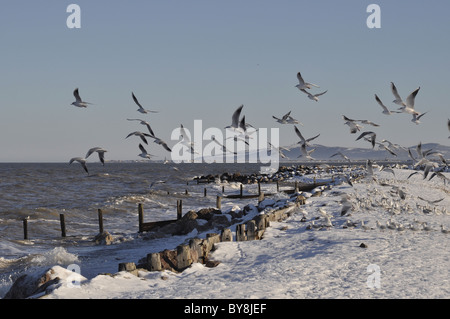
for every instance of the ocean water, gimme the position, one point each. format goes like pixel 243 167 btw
pixel 40 192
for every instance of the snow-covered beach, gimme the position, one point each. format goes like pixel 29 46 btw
pixel 390 243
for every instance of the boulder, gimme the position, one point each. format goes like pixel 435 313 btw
pixel 103 238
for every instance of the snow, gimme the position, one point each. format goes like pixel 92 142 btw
pixel 293 262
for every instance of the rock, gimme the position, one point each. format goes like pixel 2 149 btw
pixel 363 245
pixel 104 238
pixel 168 260
pixel 36 285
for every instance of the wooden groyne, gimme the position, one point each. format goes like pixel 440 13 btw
pixel 198 250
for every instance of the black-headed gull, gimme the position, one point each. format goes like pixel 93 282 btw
pixel 304 141
pixel 385 109
pixel 80 160
pixel 141 135
pixel 144 153
pixel 78 101
pixel 287 119
pixel 408 106
pixel 235 119
pixel 416 117
pixel 159 141
pixel 314 97
pixel 141 109
pixel 342 155
pixel 448 125
pixel 302 84
pixel 143 123
pixel 101 153
pixel 372 136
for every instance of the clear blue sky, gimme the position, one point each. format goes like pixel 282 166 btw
pixel 201 59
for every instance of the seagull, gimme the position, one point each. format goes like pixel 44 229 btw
pixel 416 117
pixel 354 127
pixel 304 141
pixel 224 149
pixel 279 149
pixel 372 137
pixel 302 84
pixel 144 123
pixel 144 153
pixel 185 140
pixel 141 109
pixel 407 107
pixel 306 153
pixel 159 141
pixel 78 102
pixel 448 125
pixel 235 119
pixel 80 160
pixel 385 109
pixel 141 135
pixel 101 153
pixel 342 155
pixel 287 119
pixel 314 97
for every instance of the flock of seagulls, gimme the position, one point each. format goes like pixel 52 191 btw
pixel 143 136
pixel 239 125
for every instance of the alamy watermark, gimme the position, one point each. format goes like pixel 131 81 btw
pixel 211 145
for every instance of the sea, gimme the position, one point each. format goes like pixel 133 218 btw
pixel 41 192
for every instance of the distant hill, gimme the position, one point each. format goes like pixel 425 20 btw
pixel 325 152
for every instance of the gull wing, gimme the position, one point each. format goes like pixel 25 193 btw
pixel 136 101
pixel 410 99
pixel 77 95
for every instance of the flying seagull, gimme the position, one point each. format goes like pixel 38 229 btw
pixel 372 137
pixel 80 160
pixel 141 135
pixel 144 153
pixel 342 155
pixel 314 97
pixel 101 153
pixel 416 117
pixel 448 125
pixel 287 119
pixel 141 109
pixel 302 84
pixel 144 123
pixel 306 153
pixel 159 141
pixel 235 119
pixel 304 141
pixel 78 101
pixel 408 106
pixel 385 109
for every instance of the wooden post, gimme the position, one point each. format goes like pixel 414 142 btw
pixel 25 228
pixel 223 188
pixel 186 192
pixel 278 187
pixel 63 225
pixel 100 220
pixel 242 190
pixel 184 259
pixel 251 230
pixel 204 192
pixel 240 233
pixel 154 262
pixel 219 202
pixel 141 217
pixel 296 186
pixel 179 209
pixel 259 188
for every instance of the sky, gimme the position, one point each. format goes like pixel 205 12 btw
pixel 201 60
